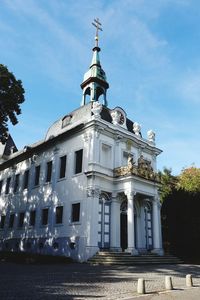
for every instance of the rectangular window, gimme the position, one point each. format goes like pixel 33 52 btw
pixel 78 161
pixel 45 213
pixel 11 220
pixel 1 185
pixel 2 223
pixel 16 184
pixel 32 218
pixel 8 185
pixel 21 219
pixel 49 171
pixel 62 166
pixel 59 214
pixel 106 155
pixel 75 212
pixel 37 175
pixel 26 178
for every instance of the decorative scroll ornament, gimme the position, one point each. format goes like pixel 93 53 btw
pixel 96 109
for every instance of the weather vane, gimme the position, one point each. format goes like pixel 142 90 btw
pixel 98 25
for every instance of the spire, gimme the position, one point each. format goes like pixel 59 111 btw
pixel 95 83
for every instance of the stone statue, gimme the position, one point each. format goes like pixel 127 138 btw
pixel 115 117
pixel 136 128
pixel 130 162
pixel 96 109
pixel 151 136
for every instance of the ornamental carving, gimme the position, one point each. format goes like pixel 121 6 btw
pixel 143 169
pixel 91 192
pixel 96 109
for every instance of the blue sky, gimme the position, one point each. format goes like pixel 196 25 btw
pixel 150 53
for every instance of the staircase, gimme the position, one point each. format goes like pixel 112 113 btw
pixel 124 258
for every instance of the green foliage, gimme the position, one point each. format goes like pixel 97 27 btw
pixel 168 183
pixel 189 180
pixel 11 96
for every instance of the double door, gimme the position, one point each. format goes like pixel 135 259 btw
pixel 104 223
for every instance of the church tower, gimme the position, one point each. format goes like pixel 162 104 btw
pixel 94 82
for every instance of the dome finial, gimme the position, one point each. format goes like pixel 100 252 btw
pixel 98 25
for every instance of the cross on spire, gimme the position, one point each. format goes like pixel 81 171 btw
pixel 98 25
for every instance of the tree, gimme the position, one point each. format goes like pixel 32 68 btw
pixel 168 183
pixel 189 180
pixel 11 96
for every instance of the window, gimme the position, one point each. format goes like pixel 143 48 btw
pixel 59 214
pixel 21 219
pixel 78 161
pixel 32 218
pixel 2 223
pixel 11 220
pixel 49 171
pixel 75 212
pixel 106 155
pixel 62 166
pixel 45 213
pixel 1 185
pixel 37 175
pixel 8 184
pixel 16 184
pixel 26 178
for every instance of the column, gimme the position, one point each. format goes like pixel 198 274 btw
pixel 115 224
pixel 130 223
pixel 157 237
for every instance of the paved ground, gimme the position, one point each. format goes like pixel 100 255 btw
pixel 82 281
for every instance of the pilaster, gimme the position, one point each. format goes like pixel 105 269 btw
pixel 115 223
pixel 157 236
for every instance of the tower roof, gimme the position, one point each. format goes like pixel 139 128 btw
pixel 95 82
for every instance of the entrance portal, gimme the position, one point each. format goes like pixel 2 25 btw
pixel 104 222
pixel 148 226
pixel 123 226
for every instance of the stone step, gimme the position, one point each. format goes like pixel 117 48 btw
pixel 124 258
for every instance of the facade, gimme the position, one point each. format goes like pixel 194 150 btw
pixel 91 184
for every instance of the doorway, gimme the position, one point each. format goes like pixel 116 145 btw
pixel 148 226
pixel 104 222
pixel 123 226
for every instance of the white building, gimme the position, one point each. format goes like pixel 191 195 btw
pixel 91 184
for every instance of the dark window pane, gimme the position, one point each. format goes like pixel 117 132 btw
pixel 8 184
pixel 1 184
pixel 11 220
pixel 49 171
pixel 32 218
pixel 3 218
pixel 45 212
pixel 16 186
pixel 75 212
pixel 37 175
pixel 26 178
pixel 62 166
pixel 21 219
pixel 59 214
pixel 78 161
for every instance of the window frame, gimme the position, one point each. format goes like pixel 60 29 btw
pixel 16 183
pixel 20 224
pixel 42 216
pixel 76 169
pixel 62 166
pixel 49 169
pixel 72 211
pixel 30 218
pixel 26 179
pixel 57 216
pixel 11 224
pixel 37 175
pixel 8 182
pixel 4 221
